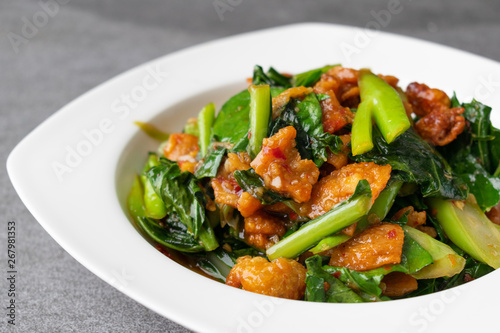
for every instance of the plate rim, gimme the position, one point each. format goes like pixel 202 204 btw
pixel 15 158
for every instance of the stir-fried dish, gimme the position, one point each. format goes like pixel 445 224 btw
pixel 333 185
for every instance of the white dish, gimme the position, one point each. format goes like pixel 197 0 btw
pixel 75 180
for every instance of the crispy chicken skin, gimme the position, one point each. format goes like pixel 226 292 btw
pixel 341 184
pixel 415 218
pixel 263 230
pixel 439 124
pixel 280 165
pixel 376 246
pixel 282 277
pixel 226 189
pixel 339 84
pixel 183 149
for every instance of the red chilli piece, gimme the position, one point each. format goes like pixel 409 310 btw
pixel 391 234
pixel 275 152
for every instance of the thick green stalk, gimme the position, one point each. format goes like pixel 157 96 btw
pixel 260 113
pixel 153 204
pixel 388 109
pixel 361 138
pixel 446 262
pixel 497 171
pixel 468 227
pixel 382 205
pixel 325 225
pixel 152 131
pixel 206 119
pixel 135 199
pixel 329 243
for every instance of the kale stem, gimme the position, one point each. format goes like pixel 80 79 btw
pixel 153 203
pixel 325 225
pixel 206 119
pixel 388 109
pixel 382 204
pixel 497 171
pixel 361 139
pixel 260 113
pixel 468 227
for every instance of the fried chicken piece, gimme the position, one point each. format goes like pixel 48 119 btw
pixel 334 116
pixel 226 189
pixel 280 165
pixel 333 83
pixel 263 230
pixel 415 218
pixel 341 184
pixel 397 284
pixel 376 246
pixel 439 124
pixel 182 148
pixel 247 204
pixel 282 277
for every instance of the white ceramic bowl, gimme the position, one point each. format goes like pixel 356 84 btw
pixel 74 171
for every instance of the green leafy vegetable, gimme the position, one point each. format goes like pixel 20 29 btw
pixel 337 291
pixel 217 264
pixel 233 120
pixel 474 155
pixel 173 234
pixel 309 78
pixel 494 147
pixel 211 163
pixel 182 196
pixel 478 117
pixel 272 78
pixel 417 162
pixel 485 188
pixel 305 117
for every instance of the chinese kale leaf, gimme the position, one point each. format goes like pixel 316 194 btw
pixel 305 117
pixel 416 162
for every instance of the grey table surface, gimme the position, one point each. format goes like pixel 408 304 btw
pixel 84 43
